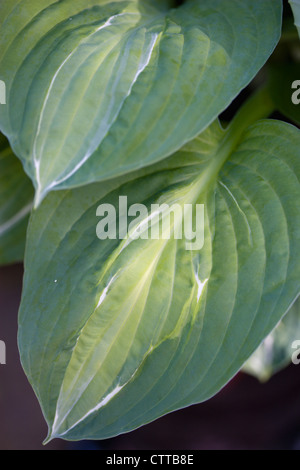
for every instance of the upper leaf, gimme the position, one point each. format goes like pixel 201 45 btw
pixel 16 199
pixel 97 88
pixel 295 4
pixel 115 333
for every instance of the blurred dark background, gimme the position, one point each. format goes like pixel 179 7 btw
pixel 245 415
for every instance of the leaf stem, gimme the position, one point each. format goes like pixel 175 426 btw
pixel 258 106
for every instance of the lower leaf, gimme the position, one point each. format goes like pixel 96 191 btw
pixel 117 332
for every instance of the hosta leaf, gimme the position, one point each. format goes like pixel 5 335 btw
pixel 16 198
pixel 116 333
pixel 276 351
pixel 99 88
pixel 295 4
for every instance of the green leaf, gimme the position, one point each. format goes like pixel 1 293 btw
pixel 282 79
pixel 115 333
pixel 97 89
pixel 295 4
pixel 16 198
pixel 275 353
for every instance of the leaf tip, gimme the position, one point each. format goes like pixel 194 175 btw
pixel 52 434
pixel 47 440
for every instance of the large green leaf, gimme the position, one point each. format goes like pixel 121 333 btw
pixel 296 9
pixel 99 88
pixel 16 198
pixel 275 353
pixel 116 333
